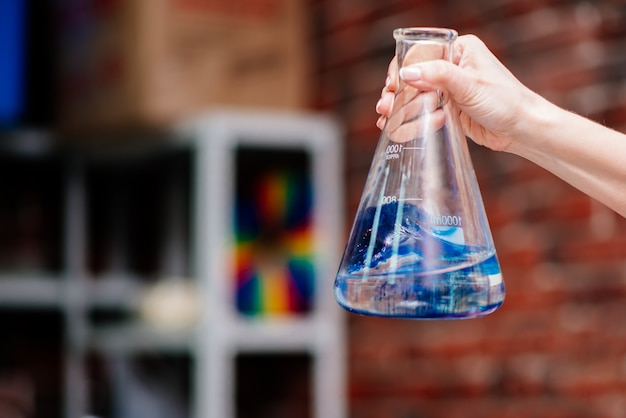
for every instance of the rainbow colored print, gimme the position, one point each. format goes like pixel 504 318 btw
pixel 274 245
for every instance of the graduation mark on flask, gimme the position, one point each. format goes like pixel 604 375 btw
pixel 443 220
pixel 394 199
pixel 393 151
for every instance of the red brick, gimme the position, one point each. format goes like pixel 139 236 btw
pixel 557 346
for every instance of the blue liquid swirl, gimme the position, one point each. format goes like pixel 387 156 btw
pixel 398 267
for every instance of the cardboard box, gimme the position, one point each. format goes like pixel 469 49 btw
pixel 147 63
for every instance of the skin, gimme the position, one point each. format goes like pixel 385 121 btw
pixel 499 112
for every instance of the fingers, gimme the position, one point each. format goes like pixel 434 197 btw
pixel 385 103
pixel 392 75
pixel 411 105
pixel 424 52
pixel 466 42
pixel 416 114
pixel 439 75
pixel 384 107
pixel 410 112
pixel 473 67
pixel 424 69
pixel 430 75
pixel 380 123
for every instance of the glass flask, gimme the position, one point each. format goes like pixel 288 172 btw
pixel 420 246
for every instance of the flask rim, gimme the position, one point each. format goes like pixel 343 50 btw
pixel 425 34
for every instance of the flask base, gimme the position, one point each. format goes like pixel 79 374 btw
pixel 472 292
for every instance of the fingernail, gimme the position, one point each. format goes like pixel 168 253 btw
pixel 380 123
pixel 411 73
pixel 378 104
pixel 387 82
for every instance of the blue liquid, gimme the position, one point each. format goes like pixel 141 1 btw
pixel 409 270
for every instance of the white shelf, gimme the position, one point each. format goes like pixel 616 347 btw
pixel 121 291
pixel 259 335
pixel 138 337
pixel 25 290
pixel 276 334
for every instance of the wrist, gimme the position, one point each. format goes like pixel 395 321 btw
pixel 538 118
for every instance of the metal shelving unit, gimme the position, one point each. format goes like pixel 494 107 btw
pixel 220 332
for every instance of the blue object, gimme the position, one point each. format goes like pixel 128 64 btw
pixel 12 46
pixel 436 275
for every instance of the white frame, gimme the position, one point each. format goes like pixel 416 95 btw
pixel 222 332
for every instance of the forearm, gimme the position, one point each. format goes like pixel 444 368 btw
pixel 587 155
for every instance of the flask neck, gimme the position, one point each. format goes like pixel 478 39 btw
pixel 414 45
pixel 415 113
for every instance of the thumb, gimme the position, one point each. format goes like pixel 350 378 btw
pixel 439 75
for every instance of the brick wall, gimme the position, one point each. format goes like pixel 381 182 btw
pixel 557 348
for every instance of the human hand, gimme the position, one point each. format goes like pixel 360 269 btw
pixel 490 100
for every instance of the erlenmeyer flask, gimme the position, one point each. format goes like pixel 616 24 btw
pixel 420 245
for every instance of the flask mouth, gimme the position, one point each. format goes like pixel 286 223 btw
pixel 425 34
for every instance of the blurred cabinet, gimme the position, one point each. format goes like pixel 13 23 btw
pixel 32 277
pixel 196 268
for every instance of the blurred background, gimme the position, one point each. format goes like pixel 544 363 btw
pixel 107 308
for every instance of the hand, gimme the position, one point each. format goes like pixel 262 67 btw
pixel 491 101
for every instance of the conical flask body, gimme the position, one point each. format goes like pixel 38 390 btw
pixel 420 245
